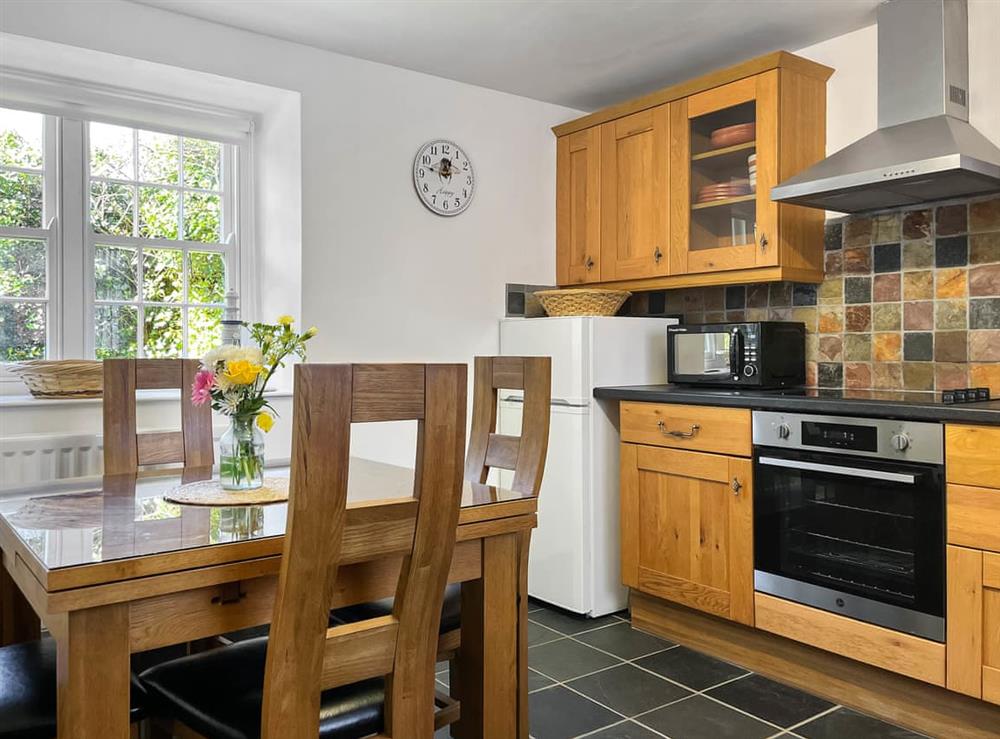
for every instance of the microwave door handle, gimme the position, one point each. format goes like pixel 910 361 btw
pixel 836 469
pixel 735 352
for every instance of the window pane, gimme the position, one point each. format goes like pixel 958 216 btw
pixel 162 332
pixel 159 159
pixel 201 164
pixel 204 326
pixel 111 151
pixel 162 275
pixel 22 331
pixel 157 213
pixel 20 138
pixel 206 277
pixel 22 268
pixel 20 199
pixel 111 208
pixel 115 326
pixel 201 217
pixel 115 269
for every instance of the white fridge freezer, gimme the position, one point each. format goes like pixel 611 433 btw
pixel 575 555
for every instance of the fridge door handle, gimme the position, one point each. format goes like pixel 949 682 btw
pixel 562 402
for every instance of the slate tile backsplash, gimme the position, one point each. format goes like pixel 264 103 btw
pixel 911 300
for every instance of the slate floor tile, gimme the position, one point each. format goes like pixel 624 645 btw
pixel 701 718
pixel 537 681
pixel 625 730
pixel 569 623
pixel 622 640
pixel 769 700
pixel 847 723
pixel 558 713
pixel 538 634
pixel 566 659
pixel 688 667
pixel 628 690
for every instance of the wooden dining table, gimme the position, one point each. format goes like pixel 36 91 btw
pixel 117 569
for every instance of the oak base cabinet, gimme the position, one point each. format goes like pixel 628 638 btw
pixel 974 623
pixel 687 528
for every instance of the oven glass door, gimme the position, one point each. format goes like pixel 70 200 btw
pixel 862 527
pixel 702 354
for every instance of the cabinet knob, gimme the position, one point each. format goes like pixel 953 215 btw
pixel 761 238
pixel 736 485
pixel 657 255
pixel 695 428
pixel 589 264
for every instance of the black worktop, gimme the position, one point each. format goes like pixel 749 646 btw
pixel 873 404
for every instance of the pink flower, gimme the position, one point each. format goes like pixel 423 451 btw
pixel 202 386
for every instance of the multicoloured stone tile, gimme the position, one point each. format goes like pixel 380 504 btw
pixel 887 228
pixel 918 316
pixel 984 248
pixel 985 215
pixel 948 376
pixel 984 346
pixel 918 285
pixel 887 288
pixel 858 375
pixel 951 346
pixel 858 260
pixel 780 294
pixel 918 254
pixel 858 231
pixel 831 319
pixel 808 315
pixel 831 348
pixel 857 347
pixel 887 347
pixel 858 318
pixel 831 374
pixel 887 317
pixel 918 375
pixel 887 375
pixel 918 346
pixel 887 257
pixel 984 281
pixel 951 283
pixel 833 236
pixel 916 224
pixel 857 289
pixel 950 220
pixel 757 296
pixel 984 313
pixel 951 314
pixel 831 290
pixel 952 251
pixel 985 375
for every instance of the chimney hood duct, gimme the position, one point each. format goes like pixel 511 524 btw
pixel 924 149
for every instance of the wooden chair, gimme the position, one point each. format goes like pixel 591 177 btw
pixel 125 450
pixel 375 675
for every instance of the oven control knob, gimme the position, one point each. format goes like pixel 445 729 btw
pixel 784 430
pixel 900 442
pixel 749 370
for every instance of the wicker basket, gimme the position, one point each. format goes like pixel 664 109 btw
pixel 65 378
pixel 593 302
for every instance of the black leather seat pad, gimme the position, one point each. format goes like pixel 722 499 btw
pixel 28 691
pixel 451 610
pixel 219 693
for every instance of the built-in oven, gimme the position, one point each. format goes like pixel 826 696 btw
pixel 757 354
pixel 849 517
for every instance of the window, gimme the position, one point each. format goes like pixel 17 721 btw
pixel 25 238
pixel 147 236
pixel 158 212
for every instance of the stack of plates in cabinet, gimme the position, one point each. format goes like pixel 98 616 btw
pixel 723 191
pixel 752 168
pixel 741 133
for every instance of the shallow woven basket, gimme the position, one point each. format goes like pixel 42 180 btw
pixel 593 302
pixel 63 378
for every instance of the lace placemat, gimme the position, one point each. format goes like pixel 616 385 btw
pixel 211 493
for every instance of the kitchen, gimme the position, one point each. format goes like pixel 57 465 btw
pixel 795 536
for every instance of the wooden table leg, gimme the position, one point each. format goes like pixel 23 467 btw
pixel 488 657
pixel 93 674
pixel 18 621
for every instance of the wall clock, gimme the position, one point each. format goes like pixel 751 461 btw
pixel 443 176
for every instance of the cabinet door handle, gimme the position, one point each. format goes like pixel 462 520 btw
pixel 761 238
pixel 657 255
pixel 589 264
pixel 695 428
pixel 736 485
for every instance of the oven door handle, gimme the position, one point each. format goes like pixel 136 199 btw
pixel 835 469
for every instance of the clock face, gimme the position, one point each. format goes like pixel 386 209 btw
pixel 443 176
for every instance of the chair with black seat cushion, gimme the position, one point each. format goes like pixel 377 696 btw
pixel 28 691
pixel 377 675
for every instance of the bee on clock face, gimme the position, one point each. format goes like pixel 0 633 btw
pixel 443 177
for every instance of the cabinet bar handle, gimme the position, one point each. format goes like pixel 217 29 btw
pixel 695 428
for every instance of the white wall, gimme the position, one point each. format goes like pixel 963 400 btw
pixel 382 278
pixel 852 92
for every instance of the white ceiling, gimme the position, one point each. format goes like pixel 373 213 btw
pixel 581 53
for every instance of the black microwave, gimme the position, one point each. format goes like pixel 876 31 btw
pixel 761 354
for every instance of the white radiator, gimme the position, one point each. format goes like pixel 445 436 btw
pixel 31 459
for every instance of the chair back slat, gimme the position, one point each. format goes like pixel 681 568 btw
pixel 125 450
pixel 525 455
pixel 303 655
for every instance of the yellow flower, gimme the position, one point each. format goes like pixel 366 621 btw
pixel 285 320
pixel 242 371
pixel 265 421
pixel 310 332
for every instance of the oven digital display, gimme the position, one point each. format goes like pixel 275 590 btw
pixel 840 436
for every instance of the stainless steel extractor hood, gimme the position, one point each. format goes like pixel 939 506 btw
pixel 924 149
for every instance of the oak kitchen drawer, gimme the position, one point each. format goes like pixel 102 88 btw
pixel 974 517
pixel 692 427
pixel 971 455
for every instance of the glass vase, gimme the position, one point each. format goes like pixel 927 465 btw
pixel 241 455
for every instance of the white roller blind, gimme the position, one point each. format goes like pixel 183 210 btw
pixel 70 98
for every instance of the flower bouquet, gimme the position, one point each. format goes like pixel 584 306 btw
pixel 233 380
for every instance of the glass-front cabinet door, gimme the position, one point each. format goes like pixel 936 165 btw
pixel 724 152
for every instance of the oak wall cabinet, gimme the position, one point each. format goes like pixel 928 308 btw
pixel 631 180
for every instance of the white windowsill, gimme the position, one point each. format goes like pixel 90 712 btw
pixel 147 396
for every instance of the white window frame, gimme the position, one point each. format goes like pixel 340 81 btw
pixel 229 247
pixel 47 232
